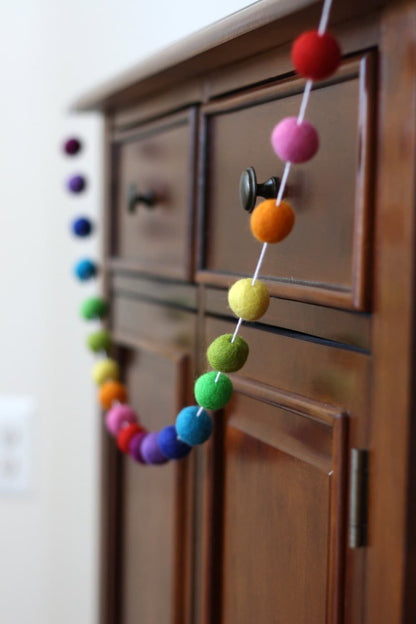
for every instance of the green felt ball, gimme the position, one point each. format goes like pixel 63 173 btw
pixel 211 395
pixel 94 307
pixel 227 356
pixel 99 341
pixel 247 301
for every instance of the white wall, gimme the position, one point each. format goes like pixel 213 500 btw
pixel 50 52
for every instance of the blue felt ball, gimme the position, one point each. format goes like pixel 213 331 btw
pixel 193 429
pixel 82 227
pixel 170 445
pixel 85 269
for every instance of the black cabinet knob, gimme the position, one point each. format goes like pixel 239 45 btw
pixel 134 197
pixel 250 189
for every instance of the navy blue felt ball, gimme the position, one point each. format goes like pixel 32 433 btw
pixel 85 269
pixel 170 445
pixel 82 227
pixel 193 429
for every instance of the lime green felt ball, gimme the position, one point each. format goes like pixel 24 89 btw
pixel 94 307
pixel 247 301
pixel 227 356
pixel 105 370
pixel 99 341
pixel 211 395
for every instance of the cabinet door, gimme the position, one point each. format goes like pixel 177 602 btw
pixel 150 521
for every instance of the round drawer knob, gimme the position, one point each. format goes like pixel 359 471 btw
pixel 250 189
pixel 134 197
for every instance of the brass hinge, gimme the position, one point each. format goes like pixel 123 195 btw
pixel 357 525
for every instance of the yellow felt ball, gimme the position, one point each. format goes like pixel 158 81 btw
pixel 270 223
pixel 105 370
pixel 248 302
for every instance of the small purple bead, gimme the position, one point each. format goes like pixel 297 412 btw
pixel 76 184
pixel 72 146
pixel 150 450
pixel 135 446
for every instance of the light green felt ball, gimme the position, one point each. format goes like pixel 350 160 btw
pixel 94 307
pixel 247 301
pixel 227 356
pixel 211 395
pixel 99 341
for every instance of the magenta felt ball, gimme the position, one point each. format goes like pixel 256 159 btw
pixel 293 142
pixel 118 417
pixel 135 446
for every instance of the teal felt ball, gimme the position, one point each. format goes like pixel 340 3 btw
pixel 226 356
pixel 193 425
pixel 210 394
pixel 94 307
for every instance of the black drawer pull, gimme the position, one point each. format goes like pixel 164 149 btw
pixel 134 197
pixel 250 189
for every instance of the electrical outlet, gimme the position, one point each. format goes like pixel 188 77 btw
pixel 16 416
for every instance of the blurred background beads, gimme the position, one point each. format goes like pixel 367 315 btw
pixel 72 146
pixel 85 269
pixel 82 227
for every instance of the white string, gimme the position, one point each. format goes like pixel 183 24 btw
pixel 304 103
pixel 323 23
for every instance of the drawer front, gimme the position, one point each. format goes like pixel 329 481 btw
pixel 326 257
pixel 158 159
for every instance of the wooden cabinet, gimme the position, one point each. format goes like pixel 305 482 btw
pixel 272 521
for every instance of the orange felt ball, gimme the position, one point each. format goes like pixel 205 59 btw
pixel 112 391
pixel 270 223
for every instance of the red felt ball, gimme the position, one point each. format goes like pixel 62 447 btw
pixel 125 436
pixel 315 56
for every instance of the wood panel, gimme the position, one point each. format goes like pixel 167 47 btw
pixel 283 504
pixel 326 258
pixel 156 516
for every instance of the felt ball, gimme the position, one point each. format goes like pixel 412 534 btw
pixel 315 56
pixel 150 450
pixel 118 417
pixel 94 308
pixel 105 370
pixel 99 340
pixel 270 223
pixel 126 434
pixel 85 269
pixel 227 356
pixel 76 184
pixel 170 445
pixel 82 227
pixel 111 392
pixel 191 428
pixel 210 394
pixel 72 146
pixel 293 142
pixel 135 446
pixel 247 301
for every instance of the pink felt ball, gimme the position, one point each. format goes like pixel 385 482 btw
pixel 293 142
pixel 118 417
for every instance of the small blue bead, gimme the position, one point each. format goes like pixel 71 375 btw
pixel 85 270
pixel 82 227
pixel 193 429
pixel 170 445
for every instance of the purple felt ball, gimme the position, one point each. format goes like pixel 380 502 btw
pixel 293 142
pixel 76 184
pixel 118 417
pixel 150 450
pixel 135 446
pixel 72 146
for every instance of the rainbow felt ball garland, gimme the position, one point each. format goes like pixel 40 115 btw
pixel 315 55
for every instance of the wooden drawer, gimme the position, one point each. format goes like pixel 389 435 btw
pixel 327 256
pixel 155 158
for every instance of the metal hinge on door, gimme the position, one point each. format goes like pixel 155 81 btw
pixel 357 525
